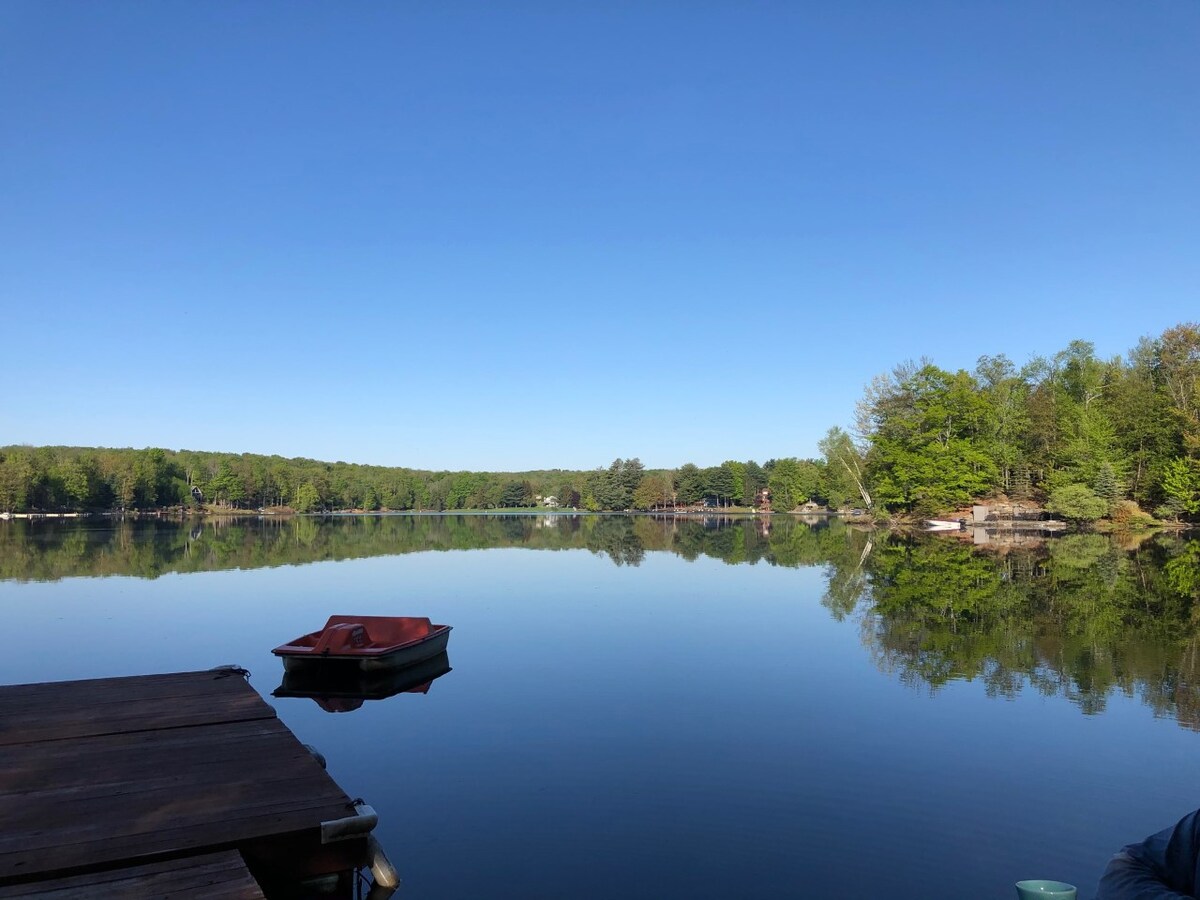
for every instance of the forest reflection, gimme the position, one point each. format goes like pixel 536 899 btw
pixel 1081 616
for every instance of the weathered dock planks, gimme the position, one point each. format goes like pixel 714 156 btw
pixel 213 876
pixel 116 773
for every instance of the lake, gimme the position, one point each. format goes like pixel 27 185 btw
pixel 644 707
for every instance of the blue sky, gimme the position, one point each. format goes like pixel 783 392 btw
pixel 526 235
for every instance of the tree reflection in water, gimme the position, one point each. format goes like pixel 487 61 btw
pixel 1080 616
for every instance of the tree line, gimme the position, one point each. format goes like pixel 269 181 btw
pixel 63 479
pixel 58 479
pixel 1089 437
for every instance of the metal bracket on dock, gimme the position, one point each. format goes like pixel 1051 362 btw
pixel 358 825
pixel 387 879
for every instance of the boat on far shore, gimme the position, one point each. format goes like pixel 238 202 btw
pixel 370 642
pixel 942 525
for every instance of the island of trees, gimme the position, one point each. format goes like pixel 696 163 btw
pixel 1087 436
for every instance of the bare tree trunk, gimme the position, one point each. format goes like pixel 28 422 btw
pixel 855 475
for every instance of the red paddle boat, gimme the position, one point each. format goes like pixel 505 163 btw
pixel 370 642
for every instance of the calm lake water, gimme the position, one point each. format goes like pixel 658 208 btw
pixel 653 708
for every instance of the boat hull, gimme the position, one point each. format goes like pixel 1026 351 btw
pixel 395 659
pixel 942 525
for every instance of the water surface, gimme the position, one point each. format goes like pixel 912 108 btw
pixel 649 708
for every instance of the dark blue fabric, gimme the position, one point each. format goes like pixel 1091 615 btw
pixel 1163 866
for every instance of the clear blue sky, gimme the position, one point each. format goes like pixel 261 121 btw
pixel 524 235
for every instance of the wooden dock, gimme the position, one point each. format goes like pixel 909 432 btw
pixel 164 785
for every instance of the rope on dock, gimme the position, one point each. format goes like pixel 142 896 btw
pixel 226 671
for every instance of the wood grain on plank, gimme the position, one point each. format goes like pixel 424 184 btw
pixel 222 874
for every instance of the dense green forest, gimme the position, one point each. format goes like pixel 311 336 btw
pixel 1087 436
pixel 79 478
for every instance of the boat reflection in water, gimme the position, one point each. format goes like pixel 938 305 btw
pixel 343 688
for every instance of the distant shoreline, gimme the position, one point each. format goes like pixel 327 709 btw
pixel 894 523
pixel 286 512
